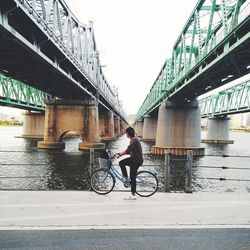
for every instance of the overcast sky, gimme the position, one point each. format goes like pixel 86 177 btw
pixel 134 38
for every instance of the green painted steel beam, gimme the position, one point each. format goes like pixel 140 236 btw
pixel 232 100
pixel 209 32
pixel 19 95
pixel 217 8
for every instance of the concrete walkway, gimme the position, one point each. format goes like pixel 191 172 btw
pixel 86 210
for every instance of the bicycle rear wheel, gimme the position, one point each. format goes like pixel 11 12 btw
pixel 102 181
pixel 146 183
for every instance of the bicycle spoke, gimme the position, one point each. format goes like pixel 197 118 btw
pixel 146 183
pixel 102 181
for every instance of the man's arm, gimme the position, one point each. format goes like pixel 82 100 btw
pixel 121 153
pixel 128 150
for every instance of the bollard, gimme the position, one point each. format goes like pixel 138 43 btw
pixel 167 171
pixel 189 171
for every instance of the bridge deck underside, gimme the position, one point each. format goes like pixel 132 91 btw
pixel 18 61
pixel 27 54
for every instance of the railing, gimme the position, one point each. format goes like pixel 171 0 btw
pixel 52 181
pixel 169 169
pixel 79 173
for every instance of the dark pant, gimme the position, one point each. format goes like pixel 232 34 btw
pixel 133 170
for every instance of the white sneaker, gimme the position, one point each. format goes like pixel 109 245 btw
pixel 130 197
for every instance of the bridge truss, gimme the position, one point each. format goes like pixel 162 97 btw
pixel 53 51
pixel 18 95
pixel 212 49
pixel 233 100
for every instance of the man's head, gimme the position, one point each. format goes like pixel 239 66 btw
pixel 130 132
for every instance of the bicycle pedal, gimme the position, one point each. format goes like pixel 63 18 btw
pixel 126 184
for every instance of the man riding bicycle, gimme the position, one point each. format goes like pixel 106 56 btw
pixel 135 160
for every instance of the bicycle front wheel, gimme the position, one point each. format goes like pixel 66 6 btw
pixel 146 183
pixel 102 181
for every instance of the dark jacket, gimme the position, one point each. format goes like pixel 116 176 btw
pixel 134 149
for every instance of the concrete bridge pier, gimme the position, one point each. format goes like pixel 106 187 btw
pixel 33 125
pixel 149 128
pixel 178 129
pixel 218 130
pixel 62 116
pixel 139 128
pixel 90 131
pixel 117 126
pixel 107 130
pixel 123 126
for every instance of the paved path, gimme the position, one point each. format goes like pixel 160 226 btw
pixel 87 210
pixel 127 239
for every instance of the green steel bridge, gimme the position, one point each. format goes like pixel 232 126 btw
pixel 230 101
pixel 212 50
pixel 233 100
pixel 15 94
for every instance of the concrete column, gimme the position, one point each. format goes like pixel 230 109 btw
pixel 62 116
pixel 33 125
pixel 90 135
pixel 117 126
pixel 139 128
pixel 102 124
pixel 149 128
pixel 178 129
pixel 218 130
pixel 109 131
pixel 50 129
pixel 123 126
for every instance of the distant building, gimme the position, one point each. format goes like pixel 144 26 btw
pixel 247 119
pixel 240 121
pixel 236 121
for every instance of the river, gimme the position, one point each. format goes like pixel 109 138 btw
pixel 25 167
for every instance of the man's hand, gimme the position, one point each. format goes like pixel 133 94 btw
pixel 117 155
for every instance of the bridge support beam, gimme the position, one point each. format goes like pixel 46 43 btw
pixel 218 130
pixel 149 128
pixel 139 128
pixel 178 129
pixel 62 116
pixel 123 126
pixel 107 130
pixel 117 126
pixel 33 125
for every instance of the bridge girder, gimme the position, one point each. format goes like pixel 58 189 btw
pixel 232 100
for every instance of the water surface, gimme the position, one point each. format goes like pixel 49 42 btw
pixel 25 167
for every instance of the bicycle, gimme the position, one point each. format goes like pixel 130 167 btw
pixel 103 180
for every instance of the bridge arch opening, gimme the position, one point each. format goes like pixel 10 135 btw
pixel 71 140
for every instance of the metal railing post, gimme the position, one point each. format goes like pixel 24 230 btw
pixel 91 160
pixel 167 172
pixel 189 171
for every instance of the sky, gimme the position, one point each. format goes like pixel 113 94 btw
pixel 134 38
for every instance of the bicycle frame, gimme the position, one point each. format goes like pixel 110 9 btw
pixel 115 172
